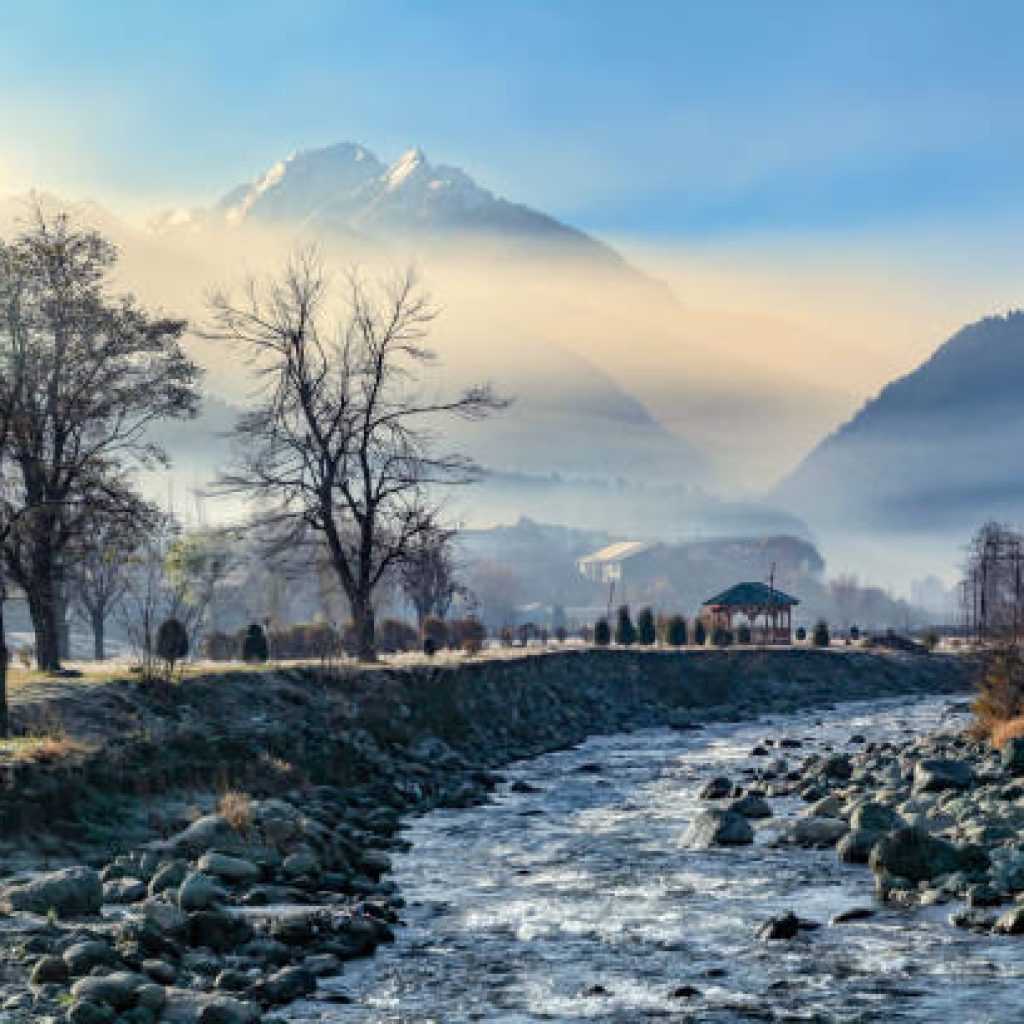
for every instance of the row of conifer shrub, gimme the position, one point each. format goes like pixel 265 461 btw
pixel 318 640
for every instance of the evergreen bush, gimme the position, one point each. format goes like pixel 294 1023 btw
pixel 171 643
pixel 434 634
pixel 645 632
pixel 743 635
pixel 821 636
pixel 255 649
pixel 625 631
pixel 675 631
pixel 602 633
pixel 700 633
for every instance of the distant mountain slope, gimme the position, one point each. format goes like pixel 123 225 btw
pixel 345 190
pixel 938 449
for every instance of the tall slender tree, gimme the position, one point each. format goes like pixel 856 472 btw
pixel 341 439
pixel 90 371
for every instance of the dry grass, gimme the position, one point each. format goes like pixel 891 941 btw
pixel 236 807
pixel 40 748
pixel 1001 732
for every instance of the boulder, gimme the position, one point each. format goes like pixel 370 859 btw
pixel 124 890
pixel 912 853
pixel 216 930
pixel 284 986
pixel 875 817
pixel 852 914
pixel 856 846
pixel 1012 756
pixel 936 774
pixel 198 892
pixel 69 892
pixel 785 926
pixel 168 875
pixel 1010 922
pixel 718 828
pixel 717 788
pixel 164 916
pixel 82 957
pixel 751 806
pixel 973 919
pixel 234 870
pixel 815 833
pixel 49 970
pixel 118 990
pixel 205 833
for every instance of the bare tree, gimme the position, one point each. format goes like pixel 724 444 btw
pixel 93 371
pixel 99 556
pixel 428 574
pixel 341 442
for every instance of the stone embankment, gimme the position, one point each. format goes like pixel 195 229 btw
pixel 228 837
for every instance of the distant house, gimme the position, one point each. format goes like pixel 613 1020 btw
pixel 766 610
pixel 606 565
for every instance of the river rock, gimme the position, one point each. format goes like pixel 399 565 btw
pixel 856 846
pixel 1012 756
pixel 169 875
pixel 216 930
pixel 164 916
pixel 235 870
pixel 1010 922
pixel 815 833
pixel 117 990
pixel 785 926
pixel 914 854
pixel 124 890
pixel 284 986
pixel 751 806
pixel 49 970
pixel 851 915
pixel 82 957
pixel 936 774
pixel 973 919
pixel 205 833
pixel 718 828
pixel 69 892
pixel 875 817
pixel 198 892
pixel 717 788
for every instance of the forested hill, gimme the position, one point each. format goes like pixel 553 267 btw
pixel 937 449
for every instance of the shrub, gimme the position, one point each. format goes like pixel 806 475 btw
pixel 467 633
pixel 801 634
pixel 561 634
pixel 675 631
pixel 821 636
pixel 602 633
pixel 743 635
pixel 931 639
pixel 218 646
pixel 625 632
pixel 171 642
pixel 854 632
pixel 434 634
pixel 700 633
pixel 395 636
pixel 254 649
pixel 1000 690
pixel 506 637
pixel 721 637
pixel 645 632
pixel 236 808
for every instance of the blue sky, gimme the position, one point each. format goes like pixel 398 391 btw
pixel 659 120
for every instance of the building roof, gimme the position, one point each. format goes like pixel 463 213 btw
pixel 617 552
pixel 749 595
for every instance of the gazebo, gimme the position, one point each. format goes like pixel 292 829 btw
pixel 767 609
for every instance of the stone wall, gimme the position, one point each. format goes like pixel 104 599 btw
pixel 277 729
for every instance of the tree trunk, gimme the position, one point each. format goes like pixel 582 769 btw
pixel 98 624
pixel 4 655
pixel 365 629
pixel 44 625
pixel 60 611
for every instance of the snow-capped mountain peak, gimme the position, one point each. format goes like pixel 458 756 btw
pixel 344 189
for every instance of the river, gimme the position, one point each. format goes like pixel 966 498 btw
pixel 576 902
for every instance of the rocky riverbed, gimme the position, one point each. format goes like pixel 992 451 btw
pixel 219 903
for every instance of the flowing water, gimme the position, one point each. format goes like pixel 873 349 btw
pixel 519 909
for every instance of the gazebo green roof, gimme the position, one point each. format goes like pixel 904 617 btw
pixel 751 595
